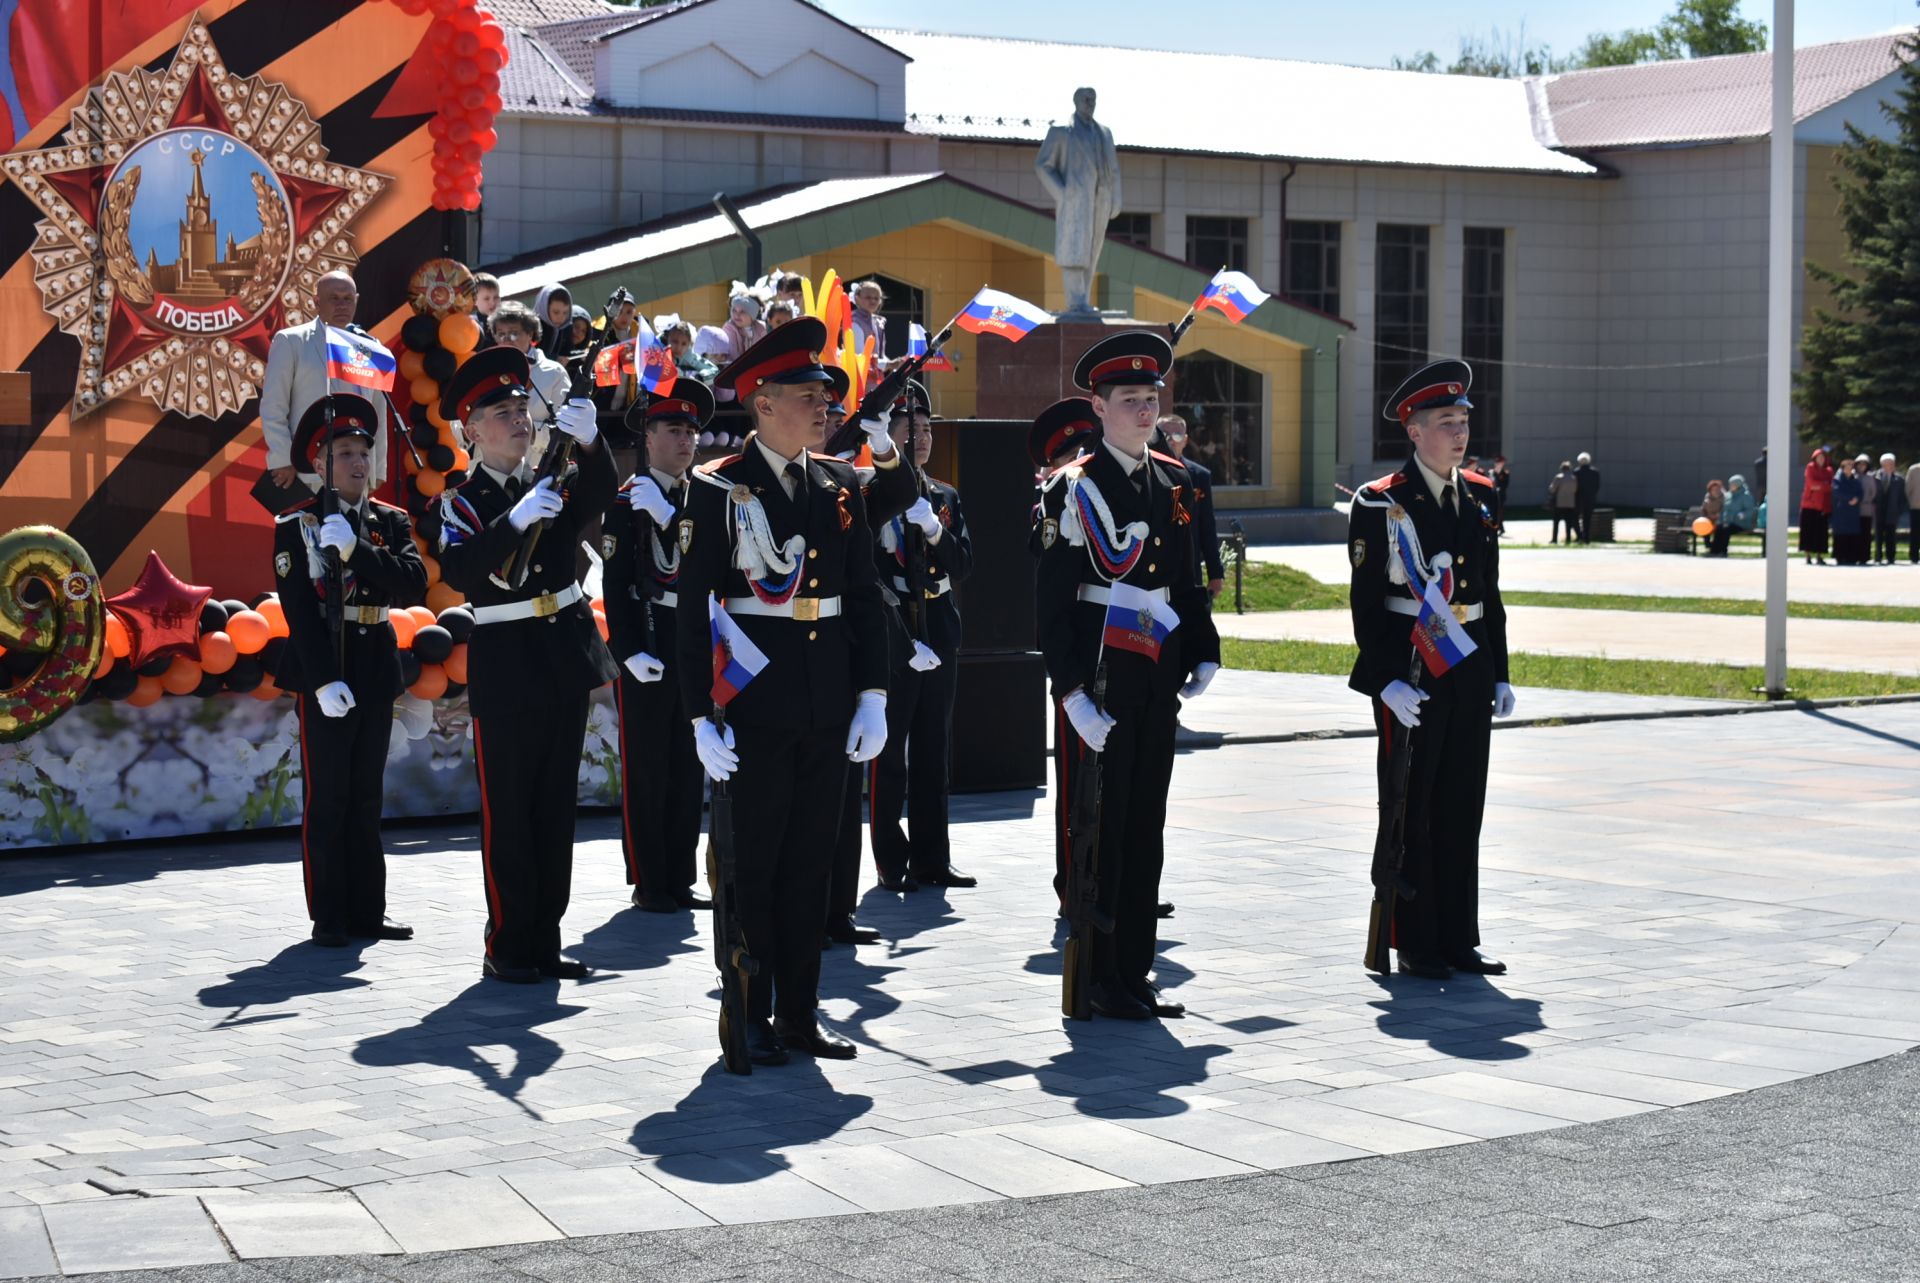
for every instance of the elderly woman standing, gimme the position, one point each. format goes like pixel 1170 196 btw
pixel 1816 504
pixel 1848 523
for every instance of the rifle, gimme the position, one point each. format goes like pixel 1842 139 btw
pixel 560 452
pixel 1087 905
pixel 884 394
pixel 1390 844
pixel 730 953
pixel 336 571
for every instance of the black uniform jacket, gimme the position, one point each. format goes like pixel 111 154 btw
pixel 561 651
pixel 634 550
pixel 816 667
pixel 1383 635
pixel 950 559
pixel 1070 629
pixel 384 570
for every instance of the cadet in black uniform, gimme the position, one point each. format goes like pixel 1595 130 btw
pixel 661 782
pixel 535 655
pixel 1116 520
pixel 916 763
pixel 346 708
pixel 1445 514
pixel 780 535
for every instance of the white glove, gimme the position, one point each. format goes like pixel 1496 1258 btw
pixel 924 660
pixel 645 668
pixel 1089 723
pixel 876 430
pixel 868 734
pixel 537 504
pixel 1202 678
pixel 337 534
pixel 646 497
pixel 1405 702
pixel 923 516
pixel 335 699
pixel 579 419
pixel 715 752
pixel 1503 700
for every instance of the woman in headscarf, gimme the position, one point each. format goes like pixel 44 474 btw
pixel 554 306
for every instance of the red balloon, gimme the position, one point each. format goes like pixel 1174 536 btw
pixel 465 70
pixel 445 7
pixel 161 614
pixel 470 200
pixel 459 131
pixel 487 138
pixel 489 60
pixel 470 153
pixel 492 34
pixel 412 8
pixel 466 44
pixel 494 105
pixel 490 82
pixel 471 99
pixel 437 127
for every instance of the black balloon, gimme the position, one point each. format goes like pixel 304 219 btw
pixel 440 457
pixel 271 652
pixel 254 603
pixel 233 606
pixel 246 674
pixel 213 617
pixel 417 416
pixel 152 668
pixel 456 478
pixel 432 644
pixel 425 435
pixel 458 621
pixel 439 364
pixel 210 684
pixel 409 668
pixel 420 333
pixel 119 683
pixel 454 690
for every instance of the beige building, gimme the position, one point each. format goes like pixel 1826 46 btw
pixel 1595 242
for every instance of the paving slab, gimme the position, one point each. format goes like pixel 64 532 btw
pixel 604 1200
pixel 134 1234
pixel 24 1247
pixel 298 1225
pixel 447 1213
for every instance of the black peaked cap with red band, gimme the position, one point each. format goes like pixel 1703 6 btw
pixel 483 378
pixel 790 354
pixel 1061 427
pixel 352 416
pixel 840 383
pixel 1429 387
pixel 688 399
pixel 1130 357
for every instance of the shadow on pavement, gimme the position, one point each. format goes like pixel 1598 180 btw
pixel 749 1117
pixel 1465 1017
pixel 485 1014
pixel 297 971
pixel 1842 722
pixel 634 940
pixel 1112 1069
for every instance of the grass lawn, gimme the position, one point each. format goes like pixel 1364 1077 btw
pixel 1623 676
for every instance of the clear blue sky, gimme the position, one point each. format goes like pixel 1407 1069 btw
pixel 1361 32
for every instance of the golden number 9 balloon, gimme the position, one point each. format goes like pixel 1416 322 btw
pixel 64 619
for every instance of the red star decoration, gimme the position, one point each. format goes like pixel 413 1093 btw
pixel 162 614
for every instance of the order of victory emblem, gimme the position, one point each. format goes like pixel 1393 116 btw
pixel 188 214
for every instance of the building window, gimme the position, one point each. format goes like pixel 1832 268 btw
pixel 1226 417
pixel 1483 332
pixel 905 305
pixel 1400 313
pixel 1131 229
pixel 1313 265
pixel 1212 242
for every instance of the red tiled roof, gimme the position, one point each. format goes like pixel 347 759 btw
pixel 1701 99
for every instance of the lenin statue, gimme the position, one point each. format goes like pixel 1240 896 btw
pixel 1081 171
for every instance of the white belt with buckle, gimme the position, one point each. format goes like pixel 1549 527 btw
pixel 1098 593
pixel 935 587
pixel 540 607
pixel 668 598
pixel 804 609
pixel 368 614
pixel 1465 614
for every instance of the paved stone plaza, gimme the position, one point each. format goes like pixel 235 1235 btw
pixel 1694 908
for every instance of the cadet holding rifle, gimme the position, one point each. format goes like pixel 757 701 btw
pixel 1119 590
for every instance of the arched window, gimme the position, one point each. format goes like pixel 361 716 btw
pixel 1225 409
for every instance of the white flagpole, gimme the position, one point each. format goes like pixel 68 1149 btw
pixel 1780 276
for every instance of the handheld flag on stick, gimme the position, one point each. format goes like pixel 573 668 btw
pixel 1138 620
pixel 736 660
pixel 1437 634
pixel 1232 294
pixel 612 365
pixel 653 360
pixel 993 312
pixel 917 347
pixel 359 359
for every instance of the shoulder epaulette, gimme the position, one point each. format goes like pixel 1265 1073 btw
pixel 1166 458
pixel 1477 477
pixel 295 512
pixel 1385 483
pixel 391 507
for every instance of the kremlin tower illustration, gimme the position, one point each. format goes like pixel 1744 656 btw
pixel 201 274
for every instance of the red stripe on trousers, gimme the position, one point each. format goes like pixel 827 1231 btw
pixel 626 793
pixel 486 834
pixel 306 805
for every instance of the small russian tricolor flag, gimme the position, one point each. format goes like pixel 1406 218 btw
pixel 1138 620
pixel 1437 635
pixel 1232 294
pixel 736 660
pixel 655 366
pixel 917 346
pixel 359 359
pixel 993 312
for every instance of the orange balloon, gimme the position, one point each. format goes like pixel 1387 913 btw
pixel 446 437
pixel 442 595
pixel 429 482
pixel 459 333
pixel 276 617
pixel 462 461
pixel 433 568
pixel 250 631
pixel 1703 526
pixel 217 653
pixel 420 542
pixel 422 616
pixel 118 641
pixel 403 627
pixel 434 416
pixel 600 622
pixel 412 366
pixel 267 690
pixel 105 666
pixel 182 676
pixel 424 391
pixel 432 683
pixel 146 691
pixel 456 664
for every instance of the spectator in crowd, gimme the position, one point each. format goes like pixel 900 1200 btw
pixel 1890 502
pixel 678 336
pixel 1816 505
pixel 1502 481
pixel 1173 440
pixel 1586 494
pixel 1740 515
pixel 1760 475
pixel 723 344
pixel 1869 496
pixel 868 299
pixel 788 289
pixel 486 298
pixel 1913 511
pixel 626 324
pixel 1561 493
pixel 554 306
pixel 1849 528
pixel 515 326
pixel 577 337
pixel 780 311
pixel 1710 506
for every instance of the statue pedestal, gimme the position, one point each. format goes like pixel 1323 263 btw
pixel 1018 380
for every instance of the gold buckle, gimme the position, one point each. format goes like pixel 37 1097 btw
pixel 933 594
pixel 1459 611
pixel 545 604
pixel 373 614
pixel 806 609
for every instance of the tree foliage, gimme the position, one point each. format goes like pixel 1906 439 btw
pixel 1695 29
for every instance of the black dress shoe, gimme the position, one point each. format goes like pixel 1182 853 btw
pixel 330 937
pixel 1165 909
pixel 898 882
pixel 512 975
pixel 1113 1001
pixel 688 898
pixel 1476 963
pixel 385 929
pixel 947 877
pixel 843 931
pixel 1153 1000
pixel 811 1038
pixel 1427 968
pixel 763 1047
pixel 654 902
pixel 558 968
